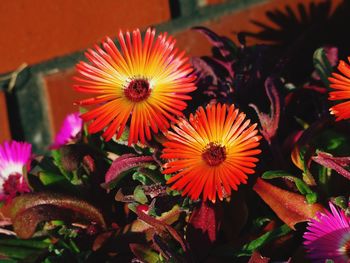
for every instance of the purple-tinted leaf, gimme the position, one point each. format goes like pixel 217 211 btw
pixel 161 224
pixel 206 219
pixel 168 217
pixel 218 67
pixel 228 66
pixel 89 163
pixel 304 150
pixel 324 59
pixel 123 164
pixel 258 258
pixel 332 55
pixel 28 210
pixel 120 197
pixel 72 155
pixel 224 45
pixel 101 240
pixel 154 190
pixel 315 88
pixel 269 122
pixel 163 247
pixel 203 70
pixel 204 225
pixel 335 163
pixel 232 224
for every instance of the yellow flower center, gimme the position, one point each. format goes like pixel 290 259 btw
pixel 137 90
pixel 214 154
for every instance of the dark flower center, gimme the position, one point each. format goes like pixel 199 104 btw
pixel 214 154
pixel 137 90
pixel 347 248
pixel 12 184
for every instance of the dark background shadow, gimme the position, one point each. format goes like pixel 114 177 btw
pixel 297 34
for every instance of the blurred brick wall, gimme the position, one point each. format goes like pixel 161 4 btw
pixel 39 30
pixel 4 124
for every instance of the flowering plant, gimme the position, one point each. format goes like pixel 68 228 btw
pixel 177 160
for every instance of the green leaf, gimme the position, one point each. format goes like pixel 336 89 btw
pixel 49 178
pixel 302 187
pixel 17 249
pixel 18 253
pixel 332 141
pixel 259 222
pixel 324 174
pixel 120 148
pixel 275 174
pixel 56 155
pixel 167 176
pixel 8 261
pixel 153 175
pixel 322 65
pixel 311 198
pixel 32 243
pixel 144 253
pixel 137 176
pixel 258 243
pixel 139 195
pixel 133 206
pixel 341 202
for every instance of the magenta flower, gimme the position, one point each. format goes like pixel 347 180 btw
pixel 14 156
pixel 70 130
pixel 328 236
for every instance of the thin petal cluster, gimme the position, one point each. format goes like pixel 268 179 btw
pixel 341 84
pixel 70 130
pixel 144 85
pixel 14 156
pixel 211 153
pixel 328 236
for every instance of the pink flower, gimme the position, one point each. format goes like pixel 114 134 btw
pixel 328 236
pixel 14 156
pixel 70 130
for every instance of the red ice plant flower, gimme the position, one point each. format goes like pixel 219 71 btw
pixel 144 85
pixel 14 156
pixel 211 153
pixel 341 85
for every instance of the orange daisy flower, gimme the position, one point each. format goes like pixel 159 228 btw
pixel 143 85
pixel 211 153
pixel 341 83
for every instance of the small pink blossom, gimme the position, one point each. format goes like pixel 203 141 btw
pixel 328 236
pixel 14 157
pixel 70 130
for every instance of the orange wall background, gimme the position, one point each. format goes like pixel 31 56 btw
pixel 4 124
pixel 38 30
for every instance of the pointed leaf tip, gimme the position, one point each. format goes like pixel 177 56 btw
pixel 290 207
